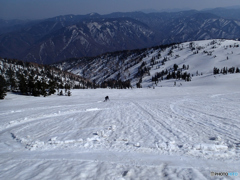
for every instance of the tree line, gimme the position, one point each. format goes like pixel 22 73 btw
pixel 36 80
pixel 173 73
pixel 226 70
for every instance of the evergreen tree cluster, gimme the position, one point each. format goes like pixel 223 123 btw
pixel 143 69
pixel 36 80
pixel 172 73
pixel 226 70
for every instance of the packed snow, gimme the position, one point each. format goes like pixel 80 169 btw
pixel 170 132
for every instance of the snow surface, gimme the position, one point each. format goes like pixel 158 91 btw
pixel 201 62
pixel 182 132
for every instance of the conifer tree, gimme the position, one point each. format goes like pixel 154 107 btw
pixel 52 86
pixel 237 70
pixel 30 85
pixel 22 84
pixel 175 67
pixel 11 78
pixel 3 88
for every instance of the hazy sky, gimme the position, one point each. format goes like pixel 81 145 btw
pixel 37 9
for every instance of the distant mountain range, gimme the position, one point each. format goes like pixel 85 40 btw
pixel 55 39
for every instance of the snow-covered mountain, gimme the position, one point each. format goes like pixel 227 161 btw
pixel 159 65
pixel 72 36
pixel 92 37
pixel 60 38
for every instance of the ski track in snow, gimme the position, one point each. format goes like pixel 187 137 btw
pixel 138 134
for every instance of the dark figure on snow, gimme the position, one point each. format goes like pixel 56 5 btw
pixel 106 99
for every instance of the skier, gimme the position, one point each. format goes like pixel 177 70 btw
pixel 106 99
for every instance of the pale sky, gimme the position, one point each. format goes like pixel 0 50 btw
pixel 38 9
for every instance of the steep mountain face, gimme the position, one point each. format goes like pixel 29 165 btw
pixel 169 63
pixel 91 38
pixel 188 26
pixel 51 41
pixel 200 26
pixel 71 36
pixel 17 44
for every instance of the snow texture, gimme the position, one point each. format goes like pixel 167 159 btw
pixel 181 132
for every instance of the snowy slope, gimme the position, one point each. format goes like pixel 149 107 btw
pixel 182 132
pixel 200 56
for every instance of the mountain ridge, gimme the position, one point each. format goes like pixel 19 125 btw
pixel 154 66
pixel 46 41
